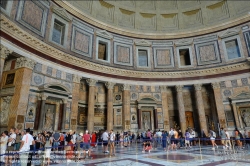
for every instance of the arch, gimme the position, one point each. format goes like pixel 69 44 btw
pixel 147 98
pixel 55 86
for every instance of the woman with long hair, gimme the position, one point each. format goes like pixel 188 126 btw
pixel 93 139
pixel 69 147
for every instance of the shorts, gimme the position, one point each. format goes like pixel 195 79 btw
pixel 10 148
pixel 105 143
pixel 86 146
pixel 56 144
pixel 212 138
pixel 223 141
pixel 187 142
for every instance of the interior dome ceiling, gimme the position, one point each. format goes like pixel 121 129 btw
pixel 160 16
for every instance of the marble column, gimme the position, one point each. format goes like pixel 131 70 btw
pixel 4 54
pixel 91 104
pixel 110 120
pixel 236 117
pixel 18 108
pixel 164 99
pixel 126 107
pixel 42 112
pixel 75 100
pixel 156 118
pixel 139 118
pixel 219 104
pixel 200 107
pixel 65 102
pixel 182 117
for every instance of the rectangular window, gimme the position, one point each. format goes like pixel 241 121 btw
pixel 233 50
pixel 143 58
pixel 58 32
pixel 247 39
pixel 3 4
pixel 184 57
pixel 102 51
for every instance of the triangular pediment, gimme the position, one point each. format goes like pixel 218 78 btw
pixel 143 43
pixel 104 34
pixel 229 32
pixel 62 13
pixel 241 96
pixel 183 42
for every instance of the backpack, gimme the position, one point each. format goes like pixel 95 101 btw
pixel 214 134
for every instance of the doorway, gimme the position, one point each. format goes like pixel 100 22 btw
pixel 189 119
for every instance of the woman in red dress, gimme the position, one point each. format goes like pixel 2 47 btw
pixel 93 139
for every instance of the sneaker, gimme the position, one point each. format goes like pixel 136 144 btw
pixel 69 160
pixel 213 148
pixel 149 151
pixel 216 146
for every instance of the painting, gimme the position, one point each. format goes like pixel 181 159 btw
pixel 10 79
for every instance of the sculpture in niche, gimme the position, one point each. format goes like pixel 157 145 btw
pixel 245 114
pixel 48 120
pixel 146 121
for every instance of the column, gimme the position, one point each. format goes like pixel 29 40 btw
pixel 126 107
pixel 4 54
pixel 200 107
pixel 139 118
pixel 91 103
pixel 164 100
pixel 219 104
pixel 182 117
pixel 42 112
pixel 156 118
pixel 236 117
pixel 65 102
pixel 18 108
pixel 110 87
pixel 75 100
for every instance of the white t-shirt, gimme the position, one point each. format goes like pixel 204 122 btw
pixel 13 136
pixel 227 135
pixel 112 136
pixel 105 136
pixel 159 134
pixel 27 138
pixel 74 139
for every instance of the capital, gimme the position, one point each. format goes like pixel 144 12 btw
pixel 125 87
pixel 65 101
pixel 91 82
pixel 179 88
pixel 43 97
pixel 109 85
pixel 163 88
pixel 197 86
pixel 25 62
pixel 76 78
pixel 4 51
pixel 215 85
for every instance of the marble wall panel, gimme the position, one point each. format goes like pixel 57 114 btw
pixel 37 79
pixel 33 15
pixel 163 57
pixel 123 54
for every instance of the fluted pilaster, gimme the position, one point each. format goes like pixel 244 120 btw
pixel 181 108
pixel 110 87
pixel 165 110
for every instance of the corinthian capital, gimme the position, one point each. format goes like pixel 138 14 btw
pixel 179 88
pixel 25 62
pixel 216 85
pixel 4 51
pixel 109 85
pixel 163 88
pixel 197 86
pixel 7 99
pixel 91 82
pixel 125 87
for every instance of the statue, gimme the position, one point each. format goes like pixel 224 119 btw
pixel 146 122
pixel 48 120
pixel 246 117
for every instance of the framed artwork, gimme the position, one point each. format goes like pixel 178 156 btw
pixel 10 79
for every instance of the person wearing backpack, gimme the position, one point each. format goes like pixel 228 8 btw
pixel 212 139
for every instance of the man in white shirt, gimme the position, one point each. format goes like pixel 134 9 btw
pixel 159 134
pixel 112 143
pixel 10 145
pixel 227 141
pixel 26 141
pixel 105 138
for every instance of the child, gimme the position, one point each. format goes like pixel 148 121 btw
pixel 147 146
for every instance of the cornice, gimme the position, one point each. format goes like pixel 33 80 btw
pixel 24 37
pixel 154 35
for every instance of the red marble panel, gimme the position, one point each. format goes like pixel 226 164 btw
pixel 81 42
pixel 123 54
pixel 163 57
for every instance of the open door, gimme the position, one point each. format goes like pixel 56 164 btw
pixel 189 119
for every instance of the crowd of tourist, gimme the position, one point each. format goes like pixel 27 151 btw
pixel 22 145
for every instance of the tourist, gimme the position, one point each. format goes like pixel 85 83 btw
pixel 223 137
pixel 27 140
pixel 247 139
pixel 147 146
pixel 212 139
pixel 3 144
pixel 227 141
pixel 117 138
pixel 62 143
pixel 149 135
pixel 238 138
pixel 173 139
pixel 56 140
pixel 112 143
pixel 125 139
pixel 79 145
pixel 192 137
pixel 10 145
pixel 93 139
pixel 105 137
pixel 48 146
pixel 187 139
pixel 70 147
pixel 203 137
pixel 154 139
pixel 121 139
pixel 86 144
pixel 164 140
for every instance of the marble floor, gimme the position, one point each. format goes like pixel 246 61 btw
pixel 133 156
